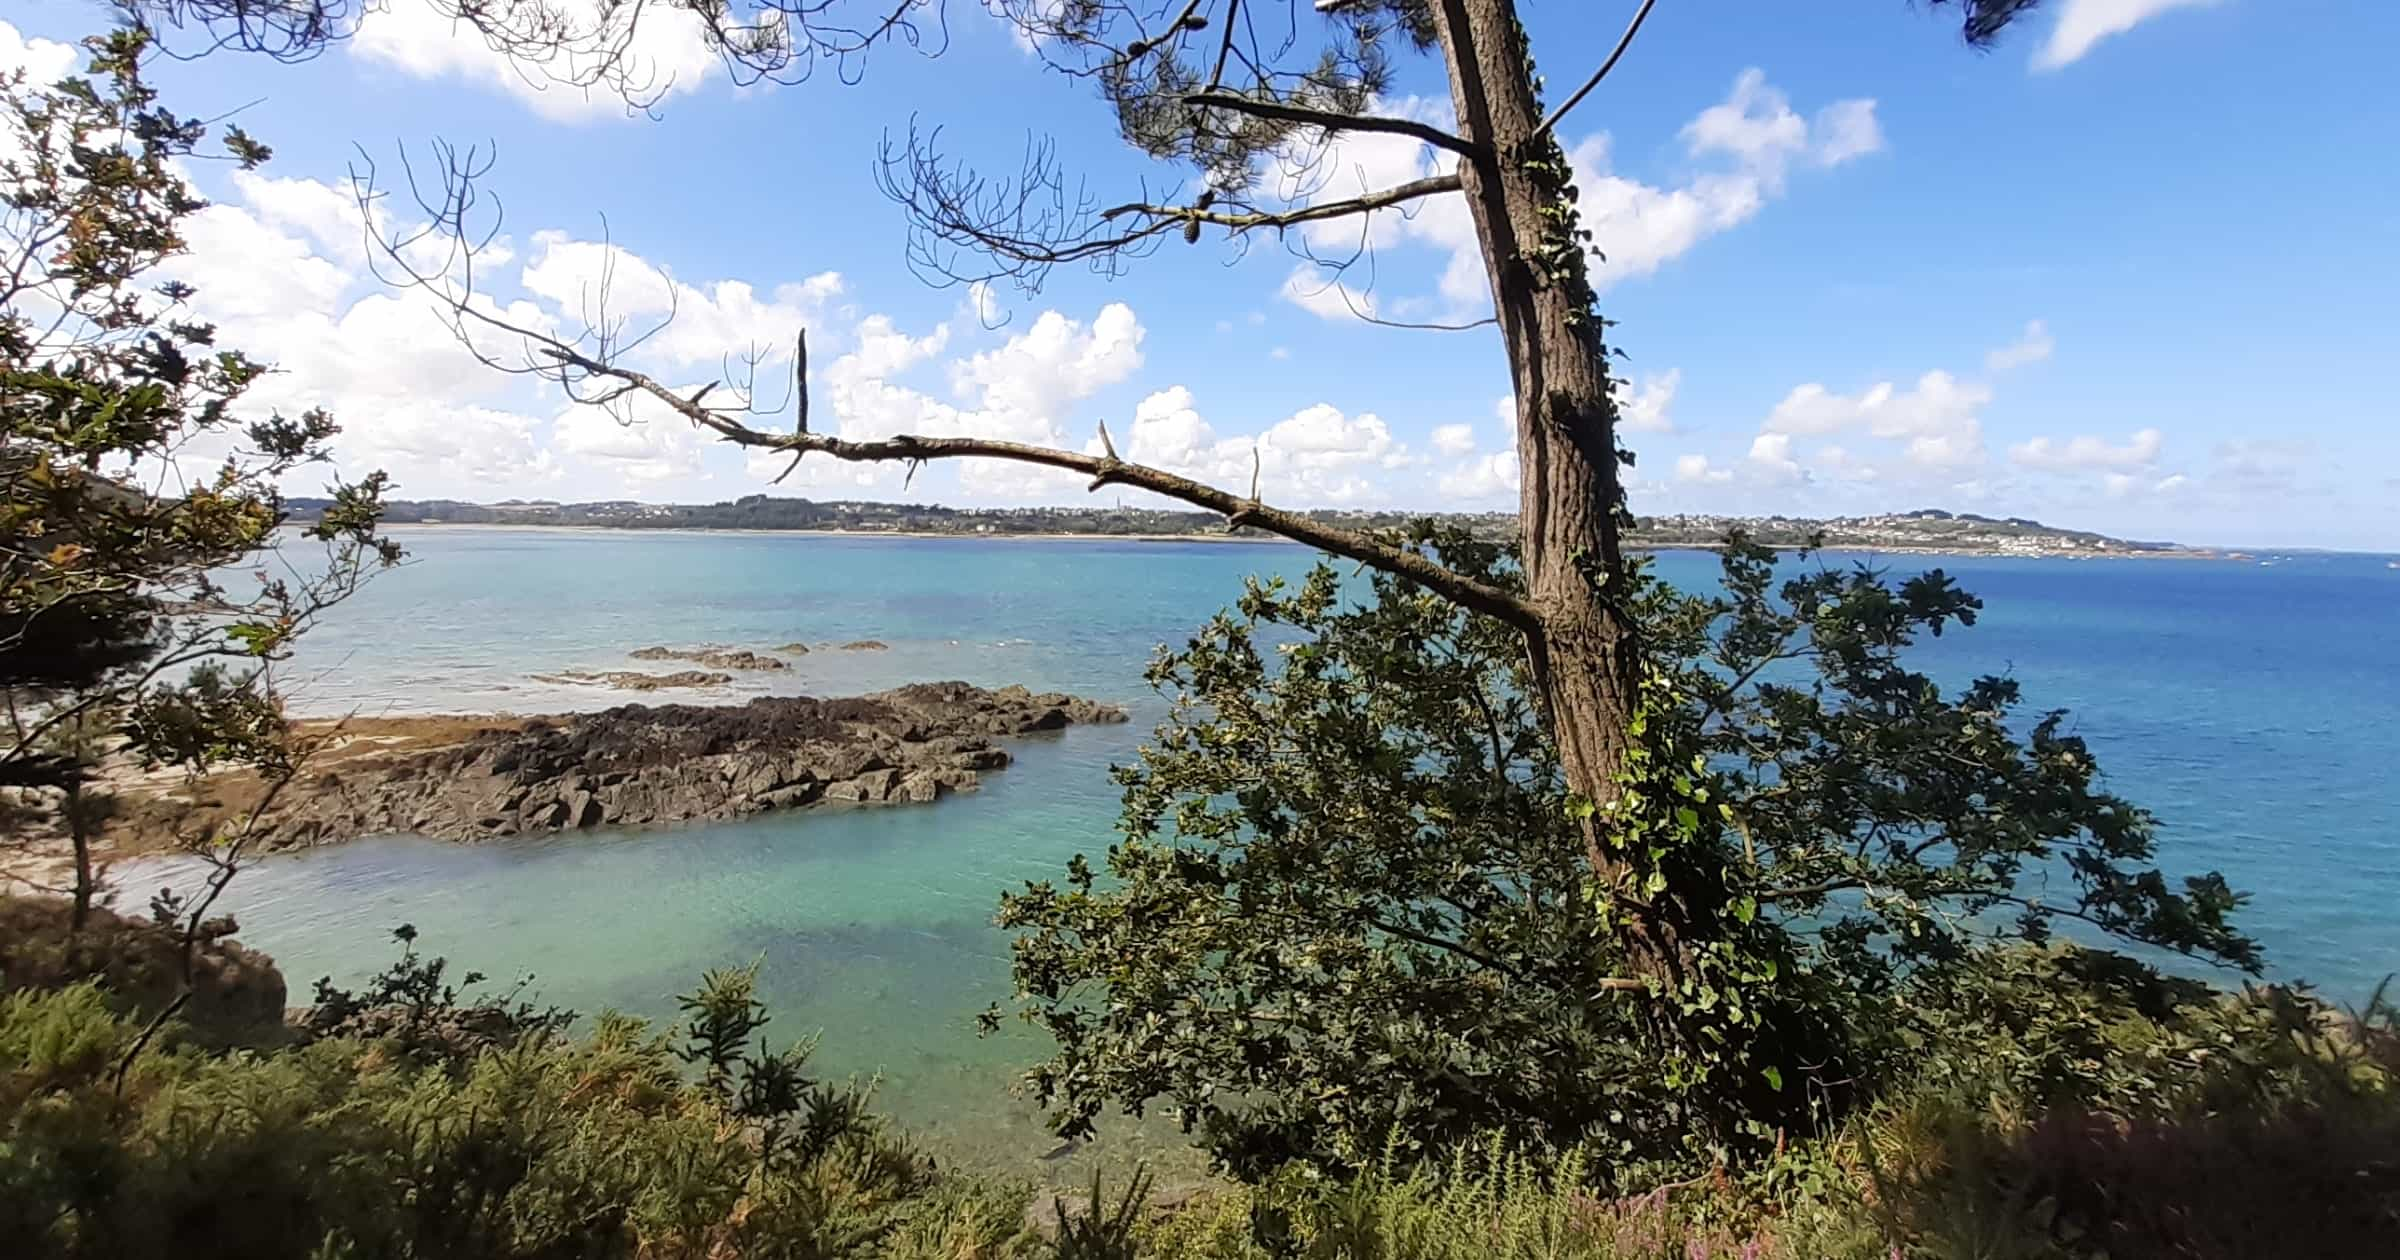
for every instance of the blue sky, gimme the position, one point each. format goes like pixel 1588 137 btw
pixel 2133 270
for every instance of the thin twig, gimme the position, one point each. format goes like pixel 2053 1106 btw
pixel 1624 42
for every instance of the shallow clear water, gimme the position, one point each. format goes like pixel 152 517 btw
pixel 2253 708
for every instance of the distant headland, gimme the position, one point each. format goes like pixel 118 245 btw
pixel 1924 530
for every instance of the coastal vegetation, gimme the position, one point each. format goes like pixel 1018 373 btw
pixel 417 1117
pixel 1511 904
pixel 146 595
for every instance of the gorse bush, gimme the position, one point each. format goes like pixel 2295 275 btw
pixel 379 1146
pixel 2277 1135
pixel 1481 1200
pixel 2265 1125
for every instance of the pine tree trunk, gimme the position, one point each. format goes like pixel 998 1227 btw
pixel 1566 418
pixel 1582 653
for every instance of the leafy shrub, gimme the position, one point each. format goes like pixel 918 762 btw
pixel 1352 901
pixel 411 1005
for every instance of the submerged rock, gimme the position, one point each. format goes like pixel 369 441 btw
pixel 649 765
pixel 714 658
pixel 629 680
pixel 866 645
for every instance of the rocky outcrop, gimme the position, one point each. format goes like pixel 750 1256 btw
pixel 714 658
pixel 237 993
pixel 866 645
pixel 794 649
pixel 628 680
pixel 648 765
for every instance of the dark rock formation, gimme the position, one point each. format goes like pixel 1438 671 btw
pixel 643 765
pixel 794 649
pixel 866 645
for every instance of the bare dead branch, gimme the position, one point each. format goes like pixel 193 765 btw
pixel 591 368
pixel 1624 42
pixel 578 47
pixel 1285 111
pixel 1413 326
pixel 967 228
pixel 1244 221
pixel 1343 291
pixel 800 384
pixel 1104 470
pixel 1216 77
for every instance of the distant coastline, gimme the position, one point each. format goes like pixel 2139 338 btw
pixel 1219 537
pixel 1245 538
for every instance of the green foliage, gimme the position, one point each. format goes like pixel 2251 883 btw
pixel 1905 817
pixel 1346 899
pixel 1106 1230
pixel 419 1014
pixel 964 1218
pixel 360 1145
pixel 1351 906
pixel 2277 1135
pixel 1486 1200
pixel 132 478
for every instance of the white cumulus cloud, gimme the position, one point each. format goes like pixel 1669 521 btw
pixel 44 61
pixel 596 282
pixel 1319 455
pixel 1027 389
pixel 2087 451
pixel 1696 468
pixel 1644 409
pixel 1326 295
pixel 1938 421
pixel 2033 346
pixel 1744 148
pixel 645 52
pixel 641 443
pixel 1771 458
pixel 2084 23
pixel 1485 481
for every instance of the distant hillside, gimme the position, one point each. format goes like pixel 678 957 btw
pixel 1927 529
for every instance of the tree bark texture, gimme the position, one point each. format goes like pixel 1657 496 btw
pixel 1580 648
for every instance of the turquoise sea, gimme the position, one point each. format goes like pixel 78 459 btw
pixel 2255 708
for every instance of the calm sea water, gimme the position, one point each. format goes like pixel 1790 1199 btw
pixel 2253 708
